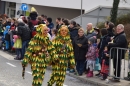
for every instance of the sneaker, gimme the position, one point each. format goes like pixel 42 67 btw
pixel 68 69
pixel 90 74
pixel 71 71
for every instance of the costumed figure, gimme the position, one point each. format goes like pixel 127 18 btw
pixel 39 52
pixel 33 20
pixel 64 49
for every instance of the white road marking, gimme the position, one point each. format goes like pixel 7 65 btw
pixel 29 72
pixel 10 64
pixel 6 55
pixel 65 85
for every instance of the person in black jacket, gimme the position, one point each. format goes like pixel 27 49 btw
pixel 73 30
pixel 80 45
pixel 117 55
pixel 25 34
pixel 103 42
pixel 110 29
pixel 59 23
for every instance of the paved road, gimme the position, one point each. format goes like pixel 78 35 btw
pixel 11 70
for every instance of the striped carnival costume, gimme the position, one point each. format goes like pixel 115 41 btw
pixel 39 53
pixel 64 49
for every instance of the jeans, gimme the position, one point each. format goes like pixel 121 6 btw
pixel 80 66
pixel 18 52
pixel 24 46
pixel 7 45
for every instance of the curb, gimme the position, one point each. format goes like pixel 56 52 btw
pixel 83 80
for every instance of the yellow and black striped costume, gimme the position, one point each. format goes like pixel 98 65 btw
pixel 39 53
pixel 64 49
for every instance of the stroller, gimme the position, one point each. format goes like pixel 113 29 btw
pixel 2 43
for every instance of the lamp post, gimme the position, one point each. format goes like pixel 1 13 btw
pixel 81 11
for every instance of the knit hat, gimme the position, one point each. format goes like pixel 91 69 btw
pixel 92 40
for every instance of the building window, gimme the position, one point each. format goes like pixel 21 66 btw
pixel 12 5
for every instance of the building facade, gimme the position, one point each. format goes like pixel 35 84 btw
pixel 55 8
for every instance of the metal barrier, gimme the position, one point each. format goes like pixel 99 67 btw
pixel 119 67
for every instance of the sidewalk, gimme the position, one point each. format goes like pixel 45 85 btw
pixel 94 81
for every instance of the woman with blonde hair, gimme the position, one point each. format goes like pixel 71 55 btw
pixel 80 45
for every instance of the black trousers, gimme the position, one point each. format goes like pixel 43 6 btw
pixel 117 66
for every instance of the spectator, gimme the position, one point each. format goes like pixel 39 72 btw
pixel 66 22
pixel 7 37
pixel 42 17
pixel 12 28
pixel 80 45
pixel 107 24
pixel 59 23
pixel 103 42
pixel 110 29
pixel 8 22
pixel 39 19
pixel 25 34
pixel 45 19
pixel 97 32
pixel 90 31
pixel 73 30
pixel 120 41
pixel 54 33
pixel 105 64
pixel 91 56
pixel 50 25
pixel 17 46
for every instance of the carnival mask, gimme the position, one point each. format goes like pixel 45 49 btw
pixel 64 31
pixel 45 31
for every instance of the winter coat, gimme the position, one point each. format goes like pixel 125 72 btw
pixel 90 34
pixel 110 33
pixel 58 26
pixel 103 42
pixel 91 54
pixel 80 52
pixel 23 31
pixel 50 26
pixel 120 41
pixel 73 32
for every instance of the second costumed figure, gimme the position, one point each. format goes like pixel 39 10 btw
pixel 64 49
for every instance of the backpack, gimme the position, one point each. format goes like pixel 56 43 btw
pixel 33 31
pixel 7 37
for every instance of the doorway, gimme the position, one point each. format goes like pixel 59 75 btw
pixel 11 9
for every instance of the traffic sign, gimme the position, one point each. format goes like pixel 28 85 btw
pixel 24 7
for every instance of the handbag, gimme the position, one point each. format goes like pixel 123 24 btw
pixel 97 65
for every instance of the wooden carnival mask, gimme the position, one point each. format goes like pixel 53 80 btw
pixel 64 31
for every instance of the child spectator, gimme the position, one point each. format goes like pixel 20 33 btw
pixel 17 46
pixel 105 64
pixel 91 56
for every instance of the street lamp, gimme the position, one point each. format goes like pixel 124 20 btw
pixel 81 12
